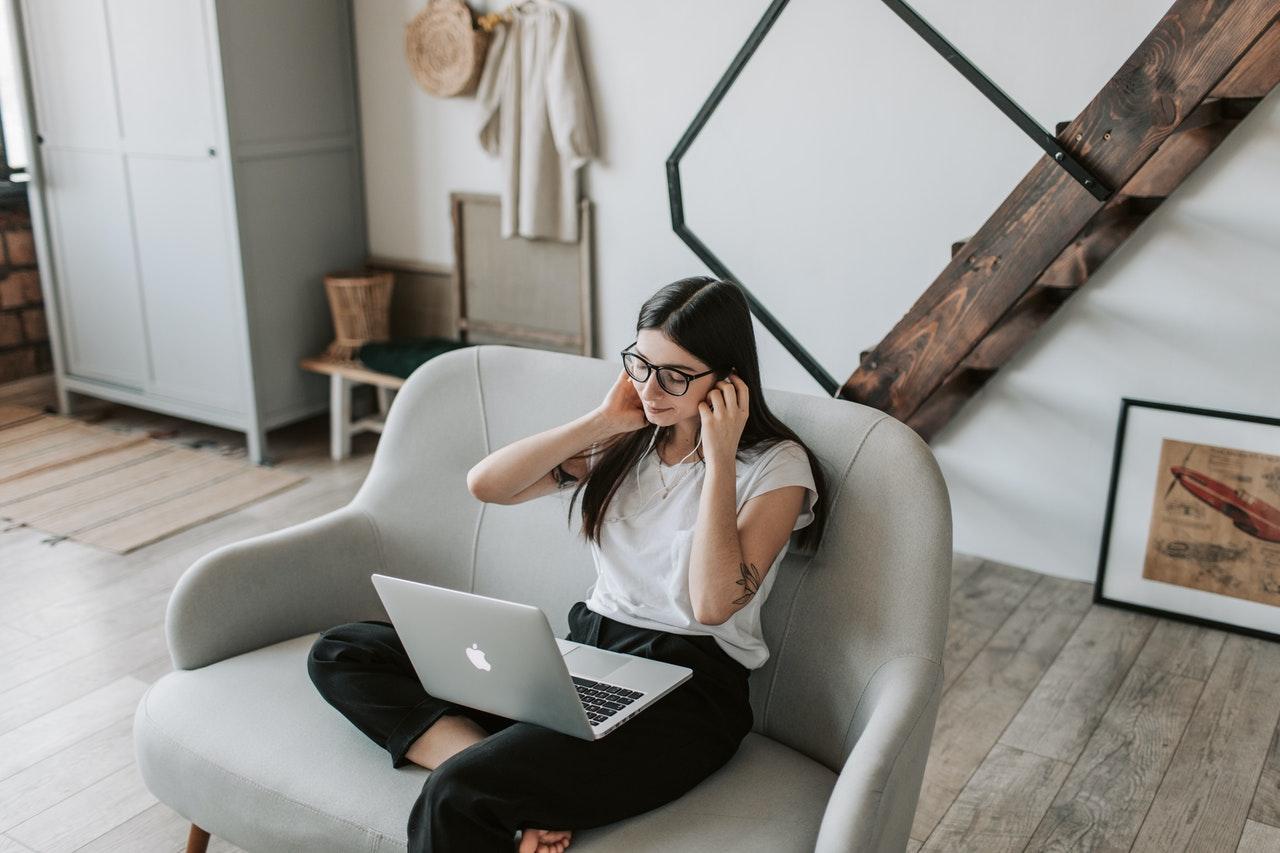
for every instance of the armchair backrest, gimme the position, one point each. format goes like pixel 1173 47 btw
pixel 876 588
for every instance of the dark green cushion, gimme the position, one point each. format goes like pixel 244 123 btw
pixel 402 356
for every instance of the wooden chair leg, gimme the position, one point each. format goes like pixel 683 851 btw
pixel 197 840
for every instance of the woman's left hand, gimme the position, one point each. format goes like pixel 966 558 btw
pixel 724 414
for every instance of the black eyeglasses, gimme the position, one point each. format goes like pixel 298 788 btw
pixel 672 380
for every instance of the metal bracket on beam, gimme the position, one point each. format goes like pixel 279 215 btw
pixel 1003 102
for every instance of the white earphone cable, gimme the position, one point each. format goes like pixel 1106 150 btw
pixel 665 489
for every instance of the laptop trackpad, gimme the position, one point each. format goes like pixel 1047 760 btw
pixel 589 663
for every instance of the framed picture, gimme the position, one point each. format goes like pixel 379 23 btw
pixel 521 292
pixel 1192 528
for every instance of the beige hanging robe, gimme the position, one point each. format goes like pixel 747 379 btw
pixel 536 115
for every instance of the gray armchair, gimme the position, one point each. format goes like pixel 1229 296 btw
pixel 238 740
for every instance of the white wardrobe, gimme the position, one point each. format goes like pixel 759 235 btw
pixel 197 172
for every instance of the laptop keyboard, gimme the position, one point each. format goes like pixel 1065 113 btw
pixel 602 700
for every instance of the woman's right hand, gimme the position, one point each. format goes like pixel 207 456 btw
pixel 622 410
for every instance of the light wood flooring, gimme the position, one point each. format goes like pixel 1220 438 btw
pixel 1064 725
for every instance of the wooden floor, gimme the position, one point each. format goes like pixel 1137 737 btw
pixel 1064 725
pixel 1069 726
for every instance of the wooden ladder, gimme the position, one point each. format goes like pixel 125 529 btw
pixel 1190 82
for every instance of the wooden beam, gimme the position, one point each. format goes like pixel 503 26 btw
pixel 1177 158
pixel 1101 236
pixel 1257 71
pixel 1186 55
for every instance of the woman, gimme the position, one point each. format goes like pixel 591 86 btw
pixel 691 489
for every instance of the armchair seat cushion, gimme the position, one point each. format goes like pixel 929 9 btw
pixel 250 745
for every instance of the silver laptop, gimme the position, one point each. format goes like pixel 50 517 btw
pixel 502 657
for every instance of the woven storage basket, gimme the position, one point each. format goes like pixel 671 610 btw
pixel 360 302
pixel 445 50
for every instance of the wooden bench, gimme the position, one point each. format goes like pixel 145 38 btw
pixel 344 376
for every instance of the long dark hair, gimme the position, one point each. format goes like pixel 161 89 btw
pixel 710 319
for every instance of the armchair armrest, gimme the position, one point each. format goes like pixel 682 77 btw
pixel 874 800
pixel 275 586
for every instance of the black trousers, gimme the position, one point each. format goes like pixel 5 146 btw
pixel 525 775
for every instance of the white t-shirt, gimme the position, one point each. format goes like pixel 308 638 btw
pixel 642 562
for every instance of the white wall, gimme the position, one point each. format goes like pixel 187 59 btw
pixel 832 181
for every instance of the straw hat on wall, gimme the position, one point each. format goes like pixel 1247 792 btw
pixel 445 49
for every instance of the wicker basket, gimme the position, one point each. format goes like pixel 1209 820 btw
pixel 360 302
pixel 446 52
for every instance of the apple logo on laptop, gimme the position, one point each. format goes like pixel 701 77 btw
pixel 476 655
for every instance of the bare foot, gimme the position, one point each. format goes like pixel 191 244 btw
pixel 545 840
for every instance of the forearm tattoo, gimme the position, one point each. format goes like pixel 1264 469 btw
pixel 750 582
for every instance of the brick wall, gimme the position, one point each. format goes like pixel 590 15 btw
pixel 24 337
